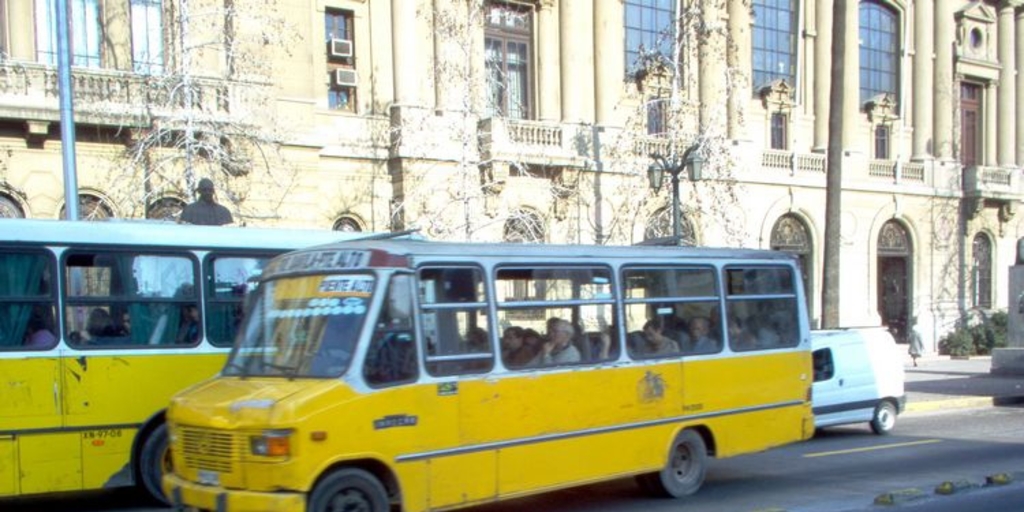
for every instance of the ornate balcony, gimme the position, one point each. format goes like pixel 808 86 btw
pixel 997 183
pixel 534 142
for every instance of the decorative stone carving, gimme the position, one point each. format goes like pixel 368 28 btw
pixel 777 96
pixel 881 109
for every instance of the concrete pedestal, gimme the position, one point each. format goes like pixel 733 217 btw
pixel 1008 361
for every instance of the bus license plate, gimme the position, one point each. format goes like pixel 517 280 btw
pixel 207 477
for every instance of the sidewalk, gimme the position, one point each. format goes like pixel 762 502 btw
pixel 938 382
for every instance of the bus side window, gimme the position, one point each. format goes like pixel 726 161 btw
pixel 391 356
pixel 228 283
pixel 27 306
pixel 763 308
pixel 455 322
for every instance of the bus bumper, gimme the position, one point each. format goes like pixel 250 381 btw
pixel 190 496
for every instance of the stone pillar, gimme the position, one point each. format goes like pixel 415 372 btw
pixel 740 64
pixel 822 72
pixel 710 49
pixel 21 33
pixel 1010 360
pixel 851 75
pixel 924 73
pixel 992 121
pixel 1007 89
pixel 1019 62
pixel 405 56
pixel 943 82
pixel 576 18
pixel 117 36
pixel 548 57
pixel 609 48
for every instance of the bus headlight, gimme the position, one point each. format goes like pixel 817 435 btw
pixel 271 443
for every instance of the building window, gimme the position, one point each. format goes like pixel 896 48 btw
pixel 507 40
pixel 147 37
pixel 774 42
pixel 780 132
pixel 340 46
pixel 524 227
pixel 85 32
pixel 9 208
pixel 90 207
pixel 650 33
pixel 882 142
pixel 982 270
pixel 347 225
pixel 879 51
pixel 657 116
pixel 165 208
pixel 970 124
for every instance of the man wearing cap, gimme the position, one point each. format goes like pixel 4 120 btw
pixel 205 210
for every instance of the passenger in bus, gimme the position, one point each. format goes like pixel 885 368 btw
pixel 99 325
pixel 39 334
pixel 698 338
pixel 558 347
pixel 188 331
pixel 740 338
pixel 653 340
pixel 519 346
pixel 478 341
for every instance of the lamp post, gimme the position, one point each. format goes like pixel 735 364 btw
pixel 674 165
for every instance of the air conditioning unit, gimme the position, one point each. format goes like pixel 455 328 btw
pixel 339 48
pixel 345 77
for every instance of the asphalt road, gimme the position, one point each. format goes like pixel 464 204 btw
pixel 843 469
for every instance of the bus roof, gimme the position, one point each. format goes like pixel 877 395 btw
pixel 156 233
pixel 412 252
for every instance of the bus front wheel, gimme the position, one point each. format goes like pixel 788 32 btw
pixel 154 461
pixel 684 472
pixel 349 489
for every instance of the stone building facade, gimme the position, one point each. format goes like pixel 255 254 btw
pixel 537 120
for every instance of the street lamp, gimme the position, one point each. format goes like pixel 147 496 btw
pixel 674 165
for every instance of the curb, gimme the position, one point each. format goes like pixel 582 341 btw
pixel 949 403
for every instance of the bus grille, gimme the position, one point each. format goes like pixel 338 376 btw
pixel 208 449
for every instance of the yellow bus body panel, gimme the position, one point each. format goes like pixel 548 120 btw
pixel 68 423
pixel 477 439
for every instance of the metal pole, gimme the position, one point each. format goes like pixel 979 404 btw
pixel 67 116
pixel 676 221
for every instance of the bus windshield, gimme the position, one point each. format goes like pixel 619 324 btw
pixel 305 326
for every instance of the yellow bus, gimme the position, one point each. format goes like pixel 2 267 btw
pixel 100 323
pixel 369 375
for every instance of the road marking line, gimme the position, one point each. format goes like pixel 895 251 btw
pixel 872 448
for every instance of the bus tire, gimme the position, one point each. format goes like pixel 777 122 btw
pixel 154 462
pixel 685 469
pixel 349 489
pixel 884 418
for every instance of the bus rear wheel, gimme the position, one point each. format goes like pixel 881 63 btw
pixel 349 490
pixel 684 472
pixel 154 462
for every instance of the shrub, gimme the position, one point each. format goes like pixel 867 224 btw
pixel 976 339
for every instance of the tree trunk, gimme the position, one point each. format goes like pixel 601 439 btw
pixel 834 171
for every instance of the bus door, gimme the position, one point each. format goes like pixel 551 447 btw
pixel 29 364
pixel 128 316
pixel 455 339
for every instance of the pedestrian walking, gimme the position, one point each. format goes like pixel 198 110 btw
pixel 916 343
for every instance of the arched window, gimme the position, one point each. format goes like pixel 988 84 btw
pixel 659 225
pixel 524 227
pixel 981 271
pixel 347 225
pixel 9 208
pixel 90 207
pixel 774 41
pixel 879 51
pixel 165 208
pixel 790 234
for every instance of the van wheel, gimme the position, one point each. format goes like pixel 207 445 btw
pixel 884 418
pixel 684 472
pixel 155 462
pixel 349 490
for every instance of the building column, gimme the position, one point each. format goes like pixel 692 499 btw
pixel 943 82
pixel 851 75
pixel 609 61
pixel 992 122
pixel 576 18
pixel 1020 89
pixel 1007 91
pixel 924 73
pixel 405 57
pixel 712 81
pixel 549 85
pixel 822 72
pixel 740 64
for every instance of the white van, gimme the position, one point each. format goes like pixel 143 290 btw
pixel 858 377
